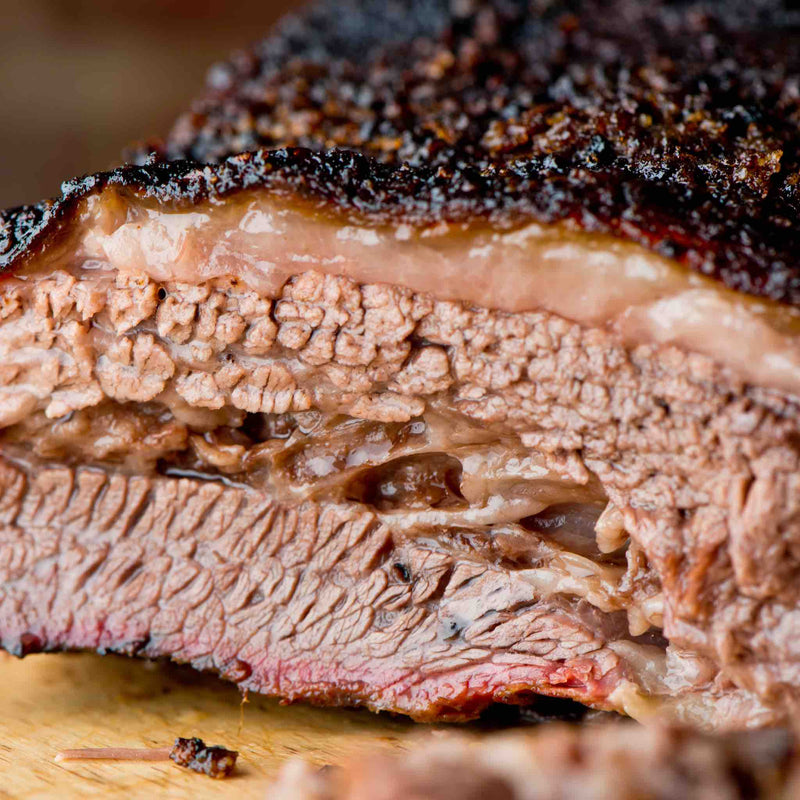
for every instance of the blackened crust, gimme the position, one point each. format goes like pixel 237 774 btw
pixel 672 124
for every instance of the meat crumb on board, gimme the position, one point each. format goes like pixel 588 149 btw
pixel 193 753
pixel 213 760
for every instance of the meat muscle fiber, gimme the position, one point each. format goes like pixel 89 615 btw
pixel 439 357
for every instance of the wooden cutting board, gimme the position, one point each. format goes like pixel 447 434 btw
pixel 54 702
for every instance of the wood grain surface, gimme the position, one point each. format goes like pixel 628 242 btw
pixel 54 702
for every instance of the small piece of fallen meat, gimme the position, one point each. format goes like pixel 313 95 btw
pixel 194 754
pixel 214 761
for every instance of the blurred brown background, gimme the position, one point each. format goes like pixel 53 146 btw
pixel 79 79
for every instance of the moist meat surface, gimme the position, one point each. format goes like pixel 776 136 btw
pixel 680 136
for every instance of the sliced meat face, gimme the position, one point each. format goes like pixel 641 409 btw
pixel 359 493
pixel 501 401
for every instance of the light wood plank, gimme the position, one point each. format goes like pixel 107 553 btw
pixel 54 702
